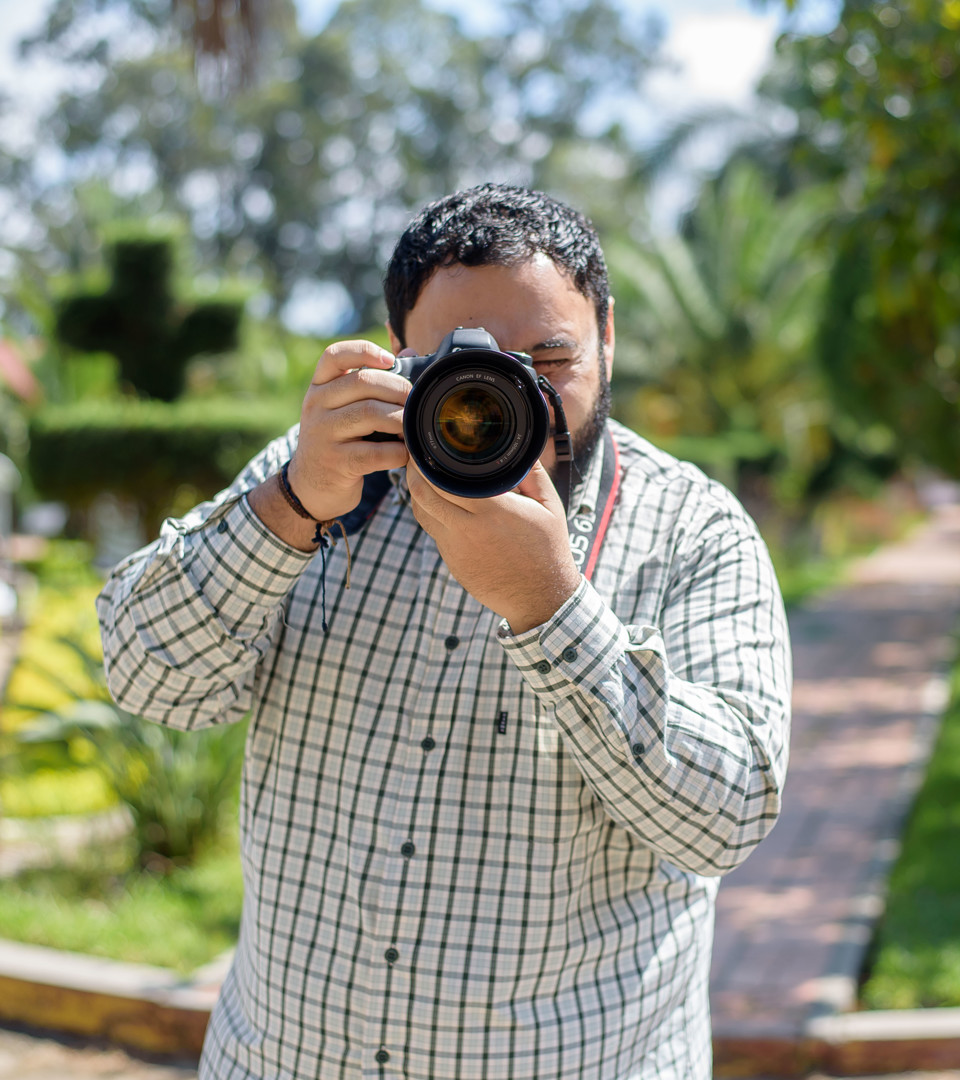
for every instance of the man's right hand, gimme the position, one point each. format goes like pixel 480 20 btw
pixel 351 394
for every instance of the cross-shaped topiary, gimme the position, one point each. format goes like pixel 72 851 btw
pixel 139 321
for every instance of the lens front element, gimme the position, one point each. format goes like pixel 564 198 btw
pixel 473 423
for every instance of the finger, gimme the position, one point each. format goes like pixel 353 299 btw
pixel 442 507
pixel 371 457
pixel 360 385
pixel 538 485
pixel 361 418
pixel 344 356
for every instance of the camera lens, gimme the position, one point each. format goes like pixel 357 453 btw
pixel 473 423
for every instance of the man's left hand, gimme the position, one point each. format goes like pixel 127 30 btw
pixel 511 552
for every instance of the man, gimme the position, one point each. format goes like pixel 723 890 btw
pixel 484 814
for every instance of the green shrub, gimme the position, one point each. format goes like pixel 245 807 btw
pixel 64 790
pixel 147 451
pixel 179 787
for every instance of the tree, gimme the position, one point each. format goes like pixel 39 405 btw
pixel 874 101
pixel 313 173
pixel 728 313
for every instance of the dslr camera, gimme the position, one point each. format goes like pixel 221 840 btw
pixel 476 419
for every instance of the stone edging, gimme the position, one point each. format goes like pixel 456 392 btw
pixel 133 1005
pixel 154 1010
pixel 851 1044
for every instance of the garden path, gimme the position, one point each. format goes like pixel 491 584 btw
pixel 795 920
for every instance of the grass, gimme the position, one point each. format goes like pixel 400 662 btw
pixel 179 921
pixel 915 960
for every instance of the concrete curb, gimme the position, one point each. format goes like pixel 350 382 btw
pixel 132 1005
pixel 852 1044
pixel 857 1044
pixel 154 1010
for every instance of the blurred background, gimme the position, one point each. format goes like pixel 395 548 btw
pixel 196 196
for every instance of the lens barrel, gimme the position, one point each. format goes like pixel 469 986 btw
pixel 475 422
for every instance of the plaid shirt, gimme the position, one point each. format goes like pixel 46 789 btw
pixel 467 853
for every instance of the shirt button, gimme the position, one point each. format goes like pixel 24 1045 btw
pixel 222 527
pixel 428 743
pixel 569 654
pixel 452 642
pixel 637 750
pixel 544 667
pixel 408 849
pixel 383 1056
pixel 391 955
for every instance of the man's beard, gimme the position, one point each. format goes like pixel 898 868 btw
pixel 584 440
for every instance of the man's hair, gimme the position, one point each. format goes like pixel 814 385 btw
pixel 494 225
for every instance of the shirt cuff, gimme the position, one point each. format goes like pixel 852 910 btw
pixel 237 562
pixel 574 649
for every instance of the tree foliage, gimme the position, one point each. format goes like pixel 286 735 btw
pixel 310 175
pixel 728 313
pixel 875 102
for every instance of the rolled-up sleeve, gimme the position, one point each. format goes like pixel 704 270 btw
pixel 185 621
pixel 680 729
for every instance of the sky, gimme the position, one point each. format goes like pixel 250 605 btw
pixel 715 51
pixel 720 47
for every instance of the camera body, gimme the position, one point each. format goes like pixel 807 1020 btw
pixel 476 420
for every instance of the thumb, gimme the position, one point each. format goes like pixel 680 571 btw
pixel 538 485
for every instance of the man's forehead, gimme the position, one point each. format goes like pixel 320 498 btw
pixel 531 305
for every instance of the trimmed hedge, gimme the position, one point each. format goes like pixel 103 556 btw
pixel 138 319
pixel 147 450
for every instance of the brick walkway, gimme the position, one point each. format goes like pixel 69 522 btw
pixel 33 1057
pixel 794 921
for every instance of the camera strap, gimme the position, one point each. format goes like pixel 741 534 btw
pixel 375 486
pixel 589 526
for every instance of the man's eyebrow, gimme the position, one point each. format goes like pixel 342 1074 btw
pixel 555 343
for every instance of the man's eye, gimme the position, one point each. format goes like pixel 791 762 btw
pixel 551 364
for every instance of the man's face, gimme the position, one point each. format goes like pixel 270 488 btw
pixel 532 307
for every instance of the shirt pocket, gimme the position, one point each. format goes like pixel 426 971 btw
pixel 541 790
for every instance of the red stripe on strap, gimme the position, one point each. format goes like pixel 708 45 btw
pixel 607 511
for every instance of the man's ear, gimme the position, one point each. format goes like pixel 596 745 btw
pixel 609 340
pixel 395 345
